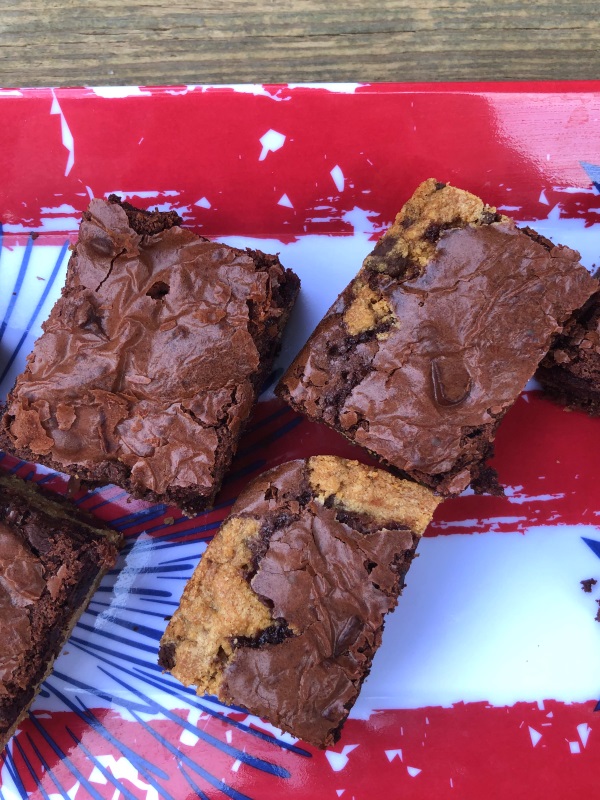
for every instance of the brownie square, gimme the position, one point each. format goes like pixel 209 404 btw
pixel 427 348
pixel 151 360
pixel 286 609
pixel 52 558
pixel 570 373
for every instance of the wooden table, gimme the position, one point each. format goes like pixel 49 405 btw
pixel 212 41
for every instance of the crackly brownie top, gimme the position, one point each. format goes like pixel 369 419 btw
pixel 44 550
pixel 286 609
pixel 150 353
pixel 438 333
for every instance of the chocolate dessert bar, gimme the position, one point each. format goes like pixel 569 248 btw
pixel 570 373
pixel 52 557
pixel 151 360
pixel 427 348
pixel 286 609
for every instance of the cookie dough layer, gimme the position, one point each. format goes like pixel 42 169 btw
pixel 285 611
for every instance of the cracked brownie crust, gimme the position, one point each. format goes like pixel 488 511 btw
pixel 286 609
pixel 52 557
pixel 151 360
pixel 570 373
pixel 423 353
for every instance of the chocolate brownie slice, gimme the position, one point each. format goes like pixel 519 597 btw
pixel 52 557
pixel 427 348
pixel 151 360
pixel 570 373
pixel 285 611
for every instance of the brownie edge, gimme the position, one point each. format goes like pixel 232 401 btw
pixel 286 609
pixel 52 557
pixel 570 372
pixel 151 360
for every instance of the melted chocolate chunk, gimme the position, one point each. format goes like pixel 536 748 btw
pixel 274 635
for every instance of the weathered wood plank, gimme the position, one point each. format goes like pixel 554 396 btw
pixel 69 42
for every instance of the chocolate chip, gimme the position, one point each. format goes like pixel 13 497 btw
pixel 101 245
pixel 158 290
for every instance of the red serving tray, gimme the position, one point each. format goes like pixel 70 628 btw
pixel 487 681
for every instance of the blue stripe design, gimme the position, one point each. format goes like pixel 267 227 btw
pixel 593 172
pixel 65 759
pixel 150 570
pixel 143 709
pixel 17 287
pixel 88 495
pixel 171 603
pixel 47 478
pixel 36 310
pixel 84 713
pixel 33 773
pixel 246 758
pixel 167 526
pixel 115 638
pixel 178 560
pixel 272 379
pixel 120 591
pixel 593 544
pixel 108 500
pixel 146 768
pixel 289 426
pixel 241 473
pixel 14 774
pixel 269 418
pixel 152 781
pixel 139 517
pixel 203 538
pixel 171 539
pixel 109 777
pixel 192 783
pixel 151 633
pixel 93 650
pixel 145 611
pixel 223 787
pixel 180 689
pixel 47 768
pixel 176 688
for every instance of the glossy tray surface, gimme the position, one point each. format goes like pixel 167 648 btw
pixel 487 680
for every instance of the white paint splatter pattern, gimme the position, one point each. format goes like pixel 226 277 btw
pixel 66 135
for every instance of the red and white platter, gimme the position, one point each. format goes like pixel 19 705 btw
pixel 488 678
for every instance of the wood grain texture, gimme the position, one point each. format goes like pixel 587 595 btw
pixel 211 41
